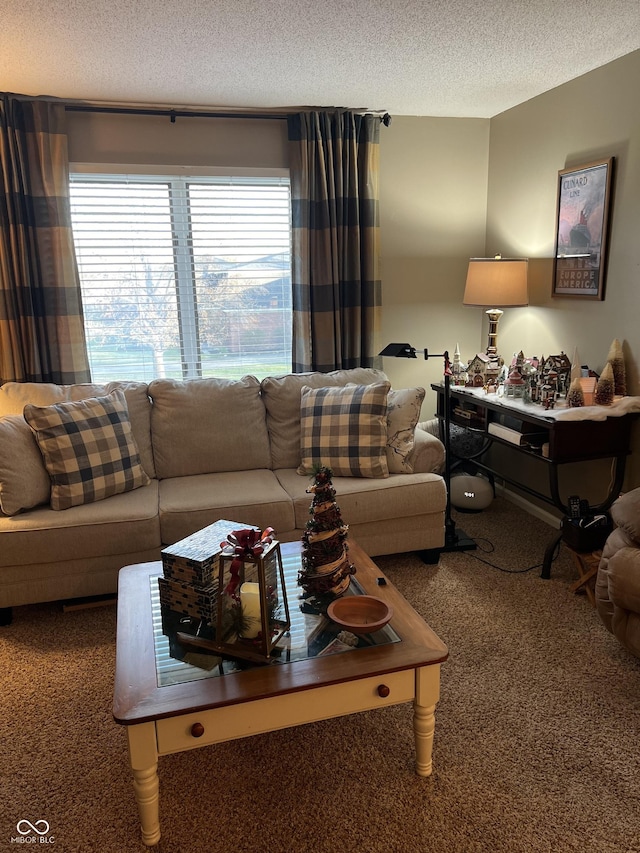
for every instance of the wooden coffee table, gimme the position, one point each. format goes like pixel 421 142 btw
pixel 170 705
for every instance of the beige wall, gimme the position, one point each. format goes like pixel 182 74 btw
pixel 594 116
pixel 433 198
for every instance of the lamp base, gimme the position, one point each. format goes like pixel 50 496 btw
pixel 494 315
pixel 454 540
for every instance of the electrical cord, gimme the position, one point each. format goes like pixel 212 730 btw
pixel 491 549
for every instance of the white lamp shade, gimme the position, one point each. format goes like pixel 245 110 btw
pixel 496 282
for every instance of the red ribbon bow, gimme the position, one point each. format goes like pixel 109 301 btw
pixel 245 543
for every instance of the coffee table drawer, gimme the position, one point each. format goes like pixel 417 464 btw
pixel 189 731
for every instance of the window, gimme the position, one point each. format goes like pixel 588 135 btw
pixel 184 277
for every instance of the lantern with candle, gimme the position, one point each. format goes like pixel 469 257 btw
pixel 252 613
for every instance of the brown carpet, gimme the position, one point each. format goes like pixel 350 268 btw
pixel 537 746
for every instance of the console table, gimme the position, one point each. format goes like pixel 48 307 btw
pixel 554 437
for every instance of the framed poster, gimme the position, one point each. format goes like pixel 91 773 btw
pixel 581 230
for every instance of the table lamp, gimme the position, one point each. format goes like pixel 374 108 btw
pixel 496 281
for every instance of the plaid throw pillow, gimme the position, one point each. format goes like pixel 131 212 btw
pixel 88 449
pixel 345 429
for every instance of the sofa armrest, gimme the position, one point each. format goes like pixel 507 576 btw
pixel 427 456
pixel 431 426
pixel 624 579
pixel 626 514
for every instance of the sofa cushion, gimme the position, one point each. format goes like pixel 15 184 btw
pixel 345 429
pixel 121 525
pixel 403 411
pixel 256 497
pixel 88 449
pixel 14 396
pixel 204 426
pixel 281 395
pixel 367 501
pixel 24 482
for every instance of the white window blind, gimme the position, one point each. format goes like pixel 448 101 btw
pixel 184 277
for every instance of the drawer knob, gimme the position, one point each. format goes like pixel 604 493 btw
pixel 197 730
pixel 383 691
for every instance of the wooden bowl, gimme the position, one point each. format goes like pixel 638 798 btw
pixel 360 614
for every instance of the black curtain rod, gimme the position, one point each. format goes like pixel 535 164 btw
pixel 174 114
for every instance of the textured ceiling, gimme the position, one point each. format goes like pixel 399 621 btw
pixel 409 57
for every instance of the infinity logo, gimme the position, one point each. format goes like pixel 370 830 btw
pixel 32 827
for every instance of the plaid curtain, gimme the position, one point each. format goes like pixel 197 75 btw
pixel 41 325
pixel 336 287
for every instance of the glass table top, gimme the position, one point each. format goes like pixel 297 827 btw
pixel 311 634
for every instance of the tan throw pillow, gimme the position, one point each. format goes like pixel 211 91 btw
pixel 24 482
pixel 345 429
pixel 88 449
pixel 403 413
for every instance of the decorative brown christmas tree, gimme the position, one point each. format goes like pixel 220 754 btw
pixel 605 387
pixel 575 397
pixel 616 360
pixel 326 568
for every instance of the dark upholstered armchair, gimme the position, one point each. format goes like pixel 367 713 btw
pixel 618 580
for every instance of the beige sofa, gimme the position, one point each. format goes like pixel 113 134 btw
pixel 618 579
pixel 213 449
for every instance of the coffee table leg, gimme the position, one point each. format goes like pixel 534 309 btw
pixel 143 757
pixel 424 720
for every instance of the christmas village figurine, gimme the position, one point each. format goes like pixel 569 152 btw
pixel 605 387
pixel 555 370
pixel 326 570
pixel 459 373
pixel 616 360
pixel 544 381
pixel 575 397
pixel 588 389
pixel 483 370
pixel 514 385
